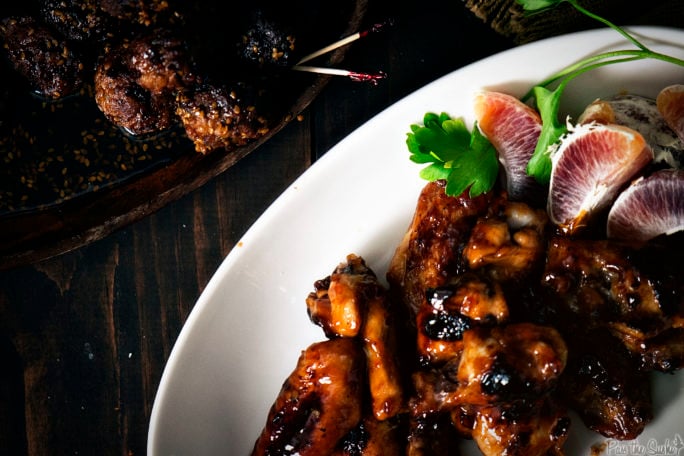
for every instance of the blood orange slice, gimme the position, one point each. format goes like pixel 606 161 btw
pixel 513 128
pixel 670 102
pixel 642 114
pixel 649 207
pixel 591 165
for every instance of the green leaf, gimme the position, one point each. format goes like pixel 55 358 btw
pixel 443 135
pixel 533 6
pixel 434 172
pixel 463 158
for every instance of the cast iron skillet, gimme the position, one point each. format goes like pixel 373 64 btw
pixel 69 177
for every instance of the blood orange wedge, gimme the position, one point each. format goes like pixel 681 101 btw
pixel 649 207
pixel 670 102
pixel 513 128
pixel 590 166
pixel 642 114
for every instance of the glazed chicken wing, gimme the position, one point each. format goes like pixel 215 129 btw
pixel 430 252
pixel 506 379
pixel 351 302
pixel 492 330
pixel 603 384
pixel 500 392
pixel 637 298
pixel 346 393
pixel 319 403
pixel 458 269
pixel 620 310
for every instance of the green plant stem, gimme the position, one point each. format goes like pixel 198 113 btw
pixel 605 58
pixel 594 66
pixel 617 28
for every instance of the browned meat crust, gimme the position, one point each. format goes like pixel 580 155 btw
pixel 136 56
pixel 52 68
pixel 218 117
pixel 136 83
pixel 84 20
pixel 267 44
pixel 76 20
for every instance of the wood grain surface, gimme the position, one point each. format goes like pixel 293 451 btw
pixel 84 336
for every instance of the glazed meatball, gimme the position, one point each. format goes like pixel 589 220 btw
pixel 126 104
pixel 217 117
pixel 159 62
pixel 136 84
pixel 49 65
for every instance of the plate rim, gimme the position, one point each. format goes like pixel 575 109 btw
pixel 280 203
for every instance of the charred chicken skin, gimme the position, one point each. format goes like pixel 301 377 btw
pixel 494 327
pixel 319 403
pixel 429 252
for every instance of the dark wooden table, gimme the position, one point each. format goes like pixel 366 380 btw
pixel 84 336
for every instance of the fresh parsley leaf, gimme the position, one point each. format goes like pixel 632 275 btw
pixel 465 159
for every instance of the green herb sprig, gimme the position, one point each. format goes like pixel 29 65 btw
pixel 548 101
pixel 466 160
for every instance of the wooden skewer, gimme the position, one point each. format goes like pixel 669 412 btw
pixel 353 75
pixel 349 39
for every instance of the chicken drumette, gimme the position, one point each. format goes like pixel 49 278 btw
pixel 315 414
